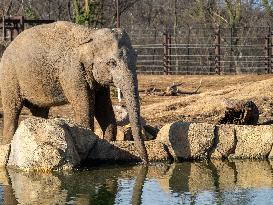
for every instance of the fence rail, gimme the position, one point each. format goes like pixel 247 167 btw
pixel 187 50
pixel 204 51
pixel 12 26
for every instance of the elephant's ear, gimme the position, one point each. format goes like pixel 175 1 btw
pixel 82 34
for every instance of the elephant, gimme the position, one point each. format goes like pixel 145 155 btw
pixel 62 62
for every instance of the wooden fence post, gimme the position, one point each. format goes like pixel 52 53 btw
pixel 217 51
pixel 12 34
pixel 169 52
pixel 22 23
pixel 166 50
pixel 4 28
pixel 17 26
pixel 267 48
pixel 271 50
pixel 154 50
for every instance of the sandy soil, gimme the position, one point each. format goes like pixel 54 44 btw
pixel 205 106
pixel 208 105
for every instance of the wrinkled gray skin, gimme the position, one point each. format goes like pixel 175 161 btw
pixel 61 63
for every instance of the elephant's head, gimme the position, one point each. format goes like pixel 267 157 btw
pixel 113 60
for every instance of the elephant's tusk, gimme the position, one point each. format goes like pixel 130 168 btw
pixel 119 95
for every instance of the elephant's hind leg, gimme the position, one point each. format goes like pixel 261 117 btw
pixel 105 115
pixel 12 105
pixel 36 110
pixel 40 112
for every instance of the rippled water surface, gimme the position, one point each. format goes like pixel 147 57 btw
pixel 216 182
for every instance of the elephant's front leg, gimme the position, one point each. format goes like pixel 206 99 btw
pixel 82 99
pixel 83 106
pixel 104 114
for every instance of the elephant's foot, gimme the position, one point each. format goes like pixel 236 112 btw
pixel 110 133
pixel 109 137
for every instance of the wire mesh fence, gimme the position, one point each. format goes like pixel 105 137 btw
pixel 204 50
pixel 191 50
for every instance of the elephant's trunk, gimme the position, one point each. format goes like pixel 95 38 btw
pixel 129 88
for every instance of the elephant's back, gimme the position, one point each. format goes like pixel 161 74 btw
pixel 40 48
pixel 31 55
pixel 46 37
pixel 33 60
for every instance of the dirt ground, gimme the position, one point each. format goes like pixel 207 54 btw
pixel 208 104
pixel 205 106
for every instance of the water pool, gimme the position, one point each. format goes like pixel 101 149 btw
pixel 213 182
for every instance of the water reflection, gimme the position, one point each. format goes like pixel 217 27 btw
pixel 32 188
pixel 7 194
pixel 213 182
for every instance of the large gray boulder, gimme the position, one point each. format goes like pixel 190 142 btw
pixel 243 141
pixel 54 144
pixel 253 141
pixel 57 144
pixel 187 140
pixel 200 140
pixel 42 144
pixel 225 142
pixel 126 151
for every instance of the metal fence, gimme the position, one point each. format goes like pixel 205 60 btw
pixel 191 50
pixel 10 27
pixel 204 50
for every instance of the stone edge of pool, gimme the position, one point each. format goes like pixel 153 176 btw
pixel 56 144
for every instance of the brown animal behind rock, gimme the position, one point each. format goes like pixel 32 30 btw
pixel 240 113
pixel 61 63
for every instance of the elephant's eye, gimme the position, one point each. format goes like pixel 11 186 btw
pixel 112 62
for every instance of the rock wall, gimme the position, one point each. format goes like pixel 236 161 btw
pixel 41 144
pixel 54 144
pixel 57 144
pixel 127 152
pixel 189 141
